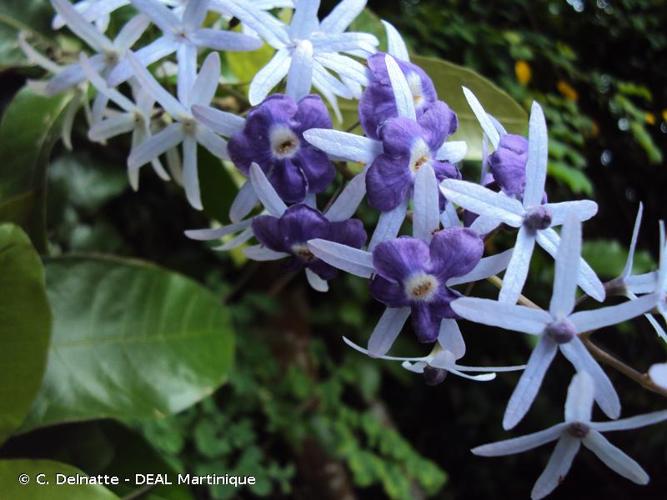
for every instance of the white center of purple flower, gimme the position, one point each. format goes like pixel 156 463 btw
pixel 561 331
pixel 415 84
pixel 301 251
pixel 578 429
pixel 420 155
pixel 284 142
pixel 537 218
pixel 421 287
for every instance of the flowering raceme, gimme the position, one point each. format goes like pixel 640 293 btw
pixel 288 152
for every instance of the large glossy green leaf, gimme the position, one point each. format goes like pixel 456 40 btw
pixel 25 323
pixel 448 79
pixel 11 487
pixel 130 340
pixel 28 131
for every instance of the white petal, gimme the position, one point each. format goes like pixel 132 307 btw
pixel 549 240
pixel 344 145
pixel 345 66
pixel 605 394
pixel 237 241
pixel 344 257
pixel 261 253
pixel 389 358
pixel 662 272
pixel 483 377
pixel 348 200
pixel 487 267
pixel 161 16
pixel 586 321
pixel 658 374
pixel 580 396
pixel 206 82
pixel 389 224
pixel 265 191
pixel 449 217
pixel 221 122
pixel 529 384
pixel 190 176
pixel 154 89
pixel 131 32
pixel 627 269
pixel 558 466
pixel 82 28
pixel 111 127
pixel 615 458
pixel 395 44
pixel 452 151
pixel 482 117
pixel 268 77
pixel 322 87
pixel 300 74
pixel 186 56
pixel 426 216
pixel 405 103
pixel 483 201
pixel 626 424
pixel 582 209
pixel 323 79
pixel 154 146
pixel 385 332
pixel 513 368
pixel 517 269
pixel 243 203
pixel 519 444
pixel 315 282
pixel 416 367
pixel 499 127
pixel 642 283
pixel 229 41
pixel 340 18
pixel 304 19
pixel 357 44
pixel 567 269
pixel 160 48
pixel 217 233
pixel 450 338
pixel 263 23
pixel 508 316
pixel 216 145
pixel 538 152
pixel 484 225
pixel 194 14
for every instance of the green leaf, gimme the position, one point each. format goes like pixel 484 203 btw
pixel 28 131
pixel 576 180
pixel 245 65
pixel 607 258
pixel 218 188
pixel 25 323
pixel 130 341
pixel 448 79
pixel 10 470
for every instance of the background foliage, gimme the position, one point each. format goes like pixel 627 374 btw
pixel 305 415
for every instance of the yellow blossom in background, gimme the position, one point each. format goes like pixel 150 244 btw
pixel 664 115
pixel 567 90
pixel 649 118
pixel 595 129
pixel 523 72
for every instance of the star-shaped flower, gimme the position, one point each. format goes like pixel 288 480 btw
pixel 534 219
pixel 185 129
pixel 406 164
pixel 308 51
pixel 414 278
pixel 182 35
pixel 577 429
pixel 557 329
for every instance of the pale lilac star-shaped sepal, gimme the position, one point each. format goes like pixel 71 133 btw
pixel 534 219
pixel 577 429
pixel 557 329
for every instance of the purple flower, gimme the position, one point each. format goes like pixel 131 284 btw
pixel 273 138
pixel 377 103
pixel 411 273
pixel 408 145
pixel 508 164
pixel 290 233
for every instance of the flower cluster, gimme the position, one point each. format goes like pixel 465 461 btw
pixel 287 149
